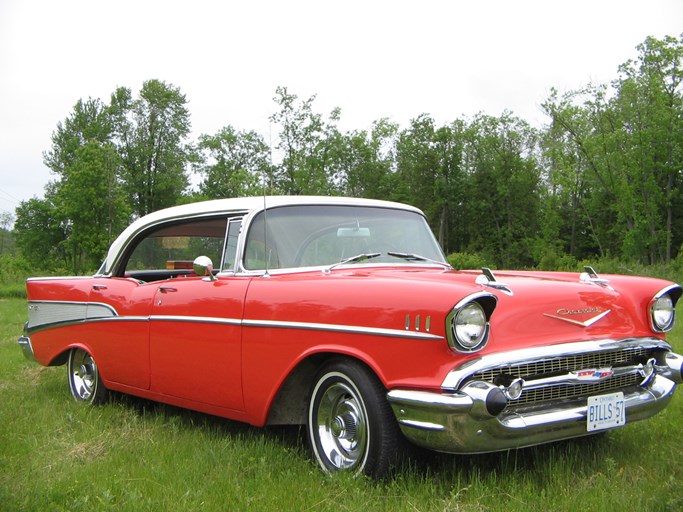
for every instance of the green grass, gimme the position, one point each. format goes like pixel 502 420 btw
pixel 135 455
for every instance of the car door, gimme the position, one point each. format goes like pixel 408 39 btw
pixel 118 311
pixel 196 340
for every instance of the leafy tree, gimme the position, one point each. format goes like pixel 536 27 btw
pixel 6 238
pixel 603 178
pixel 151 133
pixel 51 231
pixel 362 163
pixel 649 102
pixel 234 164
pixel 569 223
pixel 40 233
pixel 304 142
pixel 627 154
pixel 89 121
pixel 416 162
pixel 503 189
pixel 92 204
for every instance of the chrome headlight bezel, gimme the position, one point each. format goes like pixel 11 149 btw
pixel 467 325
pixel 662 309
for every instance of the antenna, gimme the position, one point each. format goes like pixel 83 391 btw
pixel 265 206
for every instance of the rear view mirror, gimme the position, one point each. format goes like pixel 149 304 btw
pixel 353 233
pixel 203 266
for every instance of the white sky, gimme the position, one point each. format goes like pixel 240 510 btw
pixel 371 58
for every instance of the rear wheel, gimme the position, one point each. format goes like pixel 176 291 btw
pixel 350 423
pixel 84 378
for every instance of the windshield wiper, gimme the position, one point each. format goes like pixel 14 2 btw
pixel 353 259
pixel 409 256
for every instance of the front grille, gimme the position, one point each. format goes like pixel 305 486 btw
pixel 556 366
pixel 534 396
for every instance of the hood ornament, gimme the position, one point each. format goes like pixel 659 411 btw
pixel 565 314
pixel 488 279
pixel 589 275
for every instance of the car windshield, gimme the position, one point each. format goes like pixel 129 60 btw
pixel 309 236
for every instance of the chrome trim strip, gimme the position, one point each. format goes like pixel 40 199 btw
pixel 121 319
pixel 536 354
pixel 668 289
pixel 374 331
pixel 196 319
pixel 573 379
pixel 105 313
pixel 424 425
pixel 57 278
pixel 586 323
pixel 42 314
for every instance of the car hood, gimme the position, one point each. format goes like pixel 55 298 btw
pixel 539 308
pixel 542 308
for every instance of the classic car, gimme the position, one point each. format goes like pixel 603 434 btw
pixel 343 315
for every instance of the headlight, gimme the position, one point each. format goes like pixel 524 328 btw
pixel 468 327
pixel 662 313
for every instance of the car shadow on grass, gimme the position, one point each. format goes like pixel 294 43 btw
pixel 575 455
pixel 291 436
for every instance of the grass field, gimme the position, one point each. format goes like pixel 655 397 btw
pixel 135 455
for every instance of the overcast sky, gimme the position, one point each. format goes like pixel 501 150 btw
pixel 371 58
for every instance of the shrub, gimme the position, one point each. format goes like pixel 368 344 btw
pixel 13 269
pixel 466 260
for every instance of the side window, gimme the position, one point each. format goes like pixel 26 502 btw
pixel 169 250
pixel 230 253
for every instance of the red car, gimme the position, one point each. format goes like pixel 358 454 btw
pixel 343 315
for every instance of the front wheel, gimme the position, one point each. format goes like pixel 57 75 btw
pixel 85 383
pixel 350 423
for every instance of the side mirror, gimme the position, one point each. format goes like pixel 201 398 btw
pixel 203 266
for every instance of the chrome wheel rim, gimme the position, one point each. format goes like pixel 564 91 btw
pixel 83 375
pixel 342 426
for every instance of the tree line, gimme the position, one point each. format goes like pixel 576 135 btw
pixel 603 178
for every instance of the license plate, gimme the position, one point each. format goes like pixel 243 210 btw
pixel 605 411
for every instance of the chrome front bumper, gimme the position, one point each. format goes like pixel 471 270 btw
pixel 475 419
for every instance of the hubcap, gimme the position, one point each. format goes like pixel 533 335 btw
pixel 83 375
pixel 342 426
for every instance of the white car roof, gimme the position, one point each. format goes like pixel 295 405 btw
pixel 232 206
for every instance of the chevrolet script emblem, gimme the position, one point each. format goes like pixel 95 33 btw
pixel 593 374
pixel 566 315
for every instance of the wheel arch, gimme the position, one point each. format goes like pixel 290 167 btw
pixel 290 405
pixel 61 357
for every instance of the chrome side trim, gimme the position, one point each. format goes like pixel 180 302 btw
pixel 353 329
pixel 47 314
pixel 44 314
pixel 196 319
pixel 534 354
pixel 58 278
